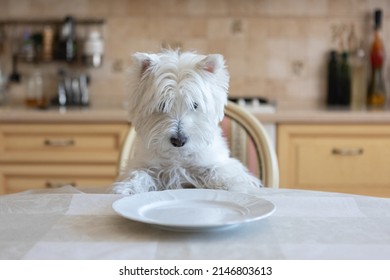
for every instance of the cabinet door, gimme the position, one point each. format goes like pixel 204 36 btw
pixel 36 156
pixel 350 159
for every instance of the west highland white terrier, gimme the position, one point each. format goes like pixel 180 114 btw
pixel 176 103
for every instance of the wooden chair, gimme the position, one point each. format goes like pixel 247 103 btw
pixel 249 142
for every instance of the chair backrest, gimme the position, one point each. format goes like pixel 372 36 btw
pixel 127 151
pixel 249 142
pixel 247 139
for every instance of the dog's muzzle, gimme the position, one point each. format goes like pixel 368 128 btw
pixel 178 141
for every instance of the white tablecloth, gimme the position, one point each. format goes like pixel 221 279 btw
pixel 69 224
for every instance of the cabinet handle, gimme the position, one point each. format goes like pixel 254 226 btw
pixel 59 143
pixel 53 185
pixel 347 151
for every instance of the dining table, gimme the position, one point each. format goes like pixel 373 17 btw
pixel 69 223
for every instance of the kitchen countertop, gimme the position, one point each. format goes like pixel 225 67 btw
pixel 95 114
pixel 303 114
pixel 115 114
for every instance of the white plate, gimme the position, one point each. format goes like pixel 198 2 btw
pixel 193 209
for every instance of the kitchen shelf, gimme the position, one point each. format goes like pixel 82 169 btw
pixel 19 28
pixel 85 21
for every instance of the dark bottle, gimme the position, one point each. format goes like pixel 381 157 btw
pixel 376 96
pixel 345 81
pixel 67 45
pixel 333 90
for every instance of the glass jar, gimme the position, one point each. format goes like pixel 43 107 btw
pixel 34 92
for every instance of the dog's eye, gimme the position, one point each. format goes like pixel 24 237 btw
pixel 195 105
pixel 161 107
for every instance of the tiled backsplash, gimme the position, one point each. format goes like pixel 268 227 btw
pixel 273 48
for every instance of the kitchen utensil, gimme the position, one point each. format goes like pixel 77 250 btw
pixel 72 90
pixel 2 40
pixel 15 75
pixel 84 81
pixel 3 86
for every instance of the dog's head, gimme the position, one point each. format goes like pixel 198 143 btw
pixel 177 99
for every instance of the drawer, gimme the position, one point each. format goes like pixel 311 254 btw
pixel 16 178
pixel 339 158
pixel 351 164
pixel 61 143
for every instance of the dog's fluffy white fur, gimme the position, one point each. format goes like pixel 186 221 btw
pixel 176 103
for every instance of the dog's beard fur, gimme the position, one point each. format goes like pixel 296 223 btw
pixel 176 103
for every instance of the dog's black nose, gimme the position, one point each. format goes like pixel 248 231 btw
pixel 178 141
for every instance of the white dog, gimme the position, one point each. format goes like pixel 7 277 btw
pixel 176 103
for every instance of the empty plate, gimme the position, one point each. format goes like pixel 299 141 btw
pixel 193 209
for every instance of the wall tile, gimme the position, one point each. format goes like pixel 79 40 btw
pixel 297 8
pixel 273 48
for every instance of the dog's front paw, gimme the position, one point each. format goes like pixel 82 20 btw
pixel 122 188
pixel 136 182
pixel 252 185
pixel 245 183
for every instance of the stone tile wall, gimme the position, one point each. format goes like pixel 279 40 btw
pixel 273 48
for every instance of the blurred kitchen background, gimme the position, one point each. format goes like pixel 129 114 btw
pixel 311 59
pixel 274 49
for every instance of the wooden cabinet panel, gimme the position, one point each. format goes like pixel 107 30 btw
pixel 51 155
pixel 19 177
pixel 350 159
pixel 49 142
pixel 61 143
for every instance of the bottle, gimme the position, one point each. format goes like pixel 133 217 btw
pixel 93 49
pixel 358 67
pixel 67 46
pixel 47 48
pixel 333 80
pixel 345 81
pixel 358 78
pixel 27 49
pixel 376 96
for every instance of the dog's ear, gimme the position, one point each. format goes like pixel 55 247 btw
pixel 215 64
pixel 142 61
pixel 212 63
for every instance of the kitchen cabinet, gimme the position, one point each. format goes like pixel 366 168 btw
pixel 349 158
pixel 40 43
pixel 41 155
